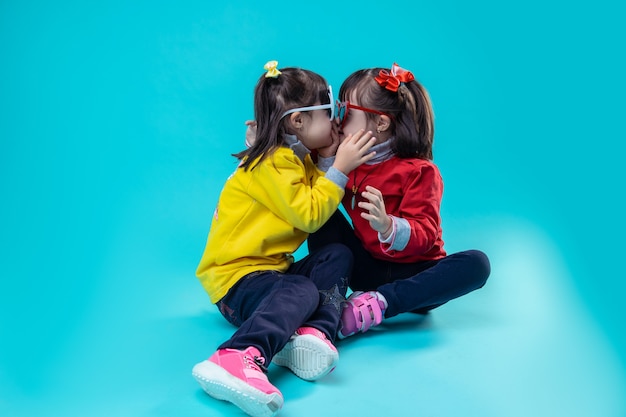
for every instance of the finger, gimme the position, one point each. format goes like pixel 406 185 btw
pixel 364 137
pixel 372 194
pixel 373 190
pixel 364 146
pixel 366 206
pixel 354 137
pixel 367 156
pixel 369 197
pixel 372 211
pixel 365 215
pixel 334 135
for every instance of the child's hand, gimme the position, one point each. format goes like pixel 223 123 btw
pixel 330 150
pixel 354 151
pixel 375 211
pixel 250 133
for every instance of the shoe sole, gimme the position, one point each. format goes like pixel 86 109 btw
pixel 307 356
pixel 221 385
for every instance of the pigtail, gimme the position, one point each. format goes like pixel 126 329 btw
pixel 277 91
pixel 269 126
pixel 413 121
pixel 409 133
pixel 419 104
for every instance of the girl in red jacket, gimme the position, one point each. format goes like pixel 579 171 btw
pixel 393 200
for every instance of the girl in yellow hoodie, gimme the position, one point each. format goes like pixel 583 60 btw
pixel 287 312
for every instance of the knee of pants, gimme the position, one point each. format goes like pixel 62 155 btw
pixel 482 266
pixel 303 291
pixel 339 253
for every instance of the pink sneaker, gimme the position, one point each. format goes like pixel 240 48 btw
pixel 361 311
pixel 236 376
pixel 309 354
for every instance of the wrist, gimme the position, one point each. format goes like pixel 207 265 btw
pixel 338 167
pixel 388 229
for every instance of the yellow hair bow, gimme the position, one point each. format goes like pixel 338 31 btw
pixel 270 67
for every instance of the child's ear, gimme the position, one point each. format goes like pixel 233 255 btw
pixel 296 120
pixel 383 123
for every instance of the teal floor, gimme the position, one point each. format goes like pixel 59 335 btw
pixel 523 345
pixel 117 122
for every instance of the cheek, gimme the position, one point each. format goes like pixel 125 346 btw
pixel 323 132
pixel 352 125
pixel 324 129
pixel 356 120
pixel 329 128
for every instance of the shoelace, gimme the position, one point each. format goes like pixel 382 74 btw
pixel 256 362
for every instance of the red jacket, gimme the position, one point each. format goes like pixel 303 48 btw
pixel 412 190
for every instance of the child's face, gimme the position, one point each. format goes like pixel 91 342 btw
pixel 356 120
pixel 316 130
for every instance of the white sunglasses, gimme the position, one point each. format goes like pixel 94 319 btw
pixel 330 105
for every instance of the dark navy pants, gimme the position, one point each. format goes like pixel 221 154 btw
pixel 268 306
pixel 414 287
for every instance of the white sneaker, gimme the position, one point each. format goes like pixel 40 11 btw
pixel 308 354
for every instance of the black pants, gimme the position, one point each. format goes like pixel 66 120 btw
pixel 414 287
pixel 268 307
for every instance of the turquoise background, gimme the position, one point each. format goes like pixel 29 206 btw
pixel 117 121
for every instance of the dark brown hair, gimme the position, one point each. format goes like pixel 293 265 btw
pixel 294 87
pixel 413 118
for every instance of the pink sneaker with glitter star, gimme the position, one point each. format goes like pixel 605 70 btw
pixel 237 376
pixel 361 311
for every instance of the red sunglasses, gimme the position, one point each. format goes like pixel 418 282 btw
pixel 343 109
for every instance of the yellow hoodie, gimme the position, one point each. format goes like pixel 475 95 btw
pixel 263 216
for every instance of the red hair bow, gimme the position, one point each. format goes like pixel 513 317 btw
pixel 391 80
